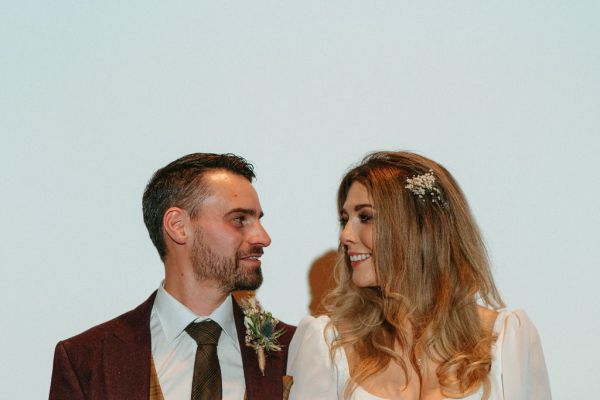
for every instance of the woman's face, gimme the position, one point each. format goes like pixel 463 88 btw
pixel 356 234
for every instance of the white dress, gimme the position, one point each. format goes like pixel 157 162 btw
pixel 518 369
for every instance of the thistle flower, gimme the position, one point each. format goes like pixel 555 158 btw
pixel 261 332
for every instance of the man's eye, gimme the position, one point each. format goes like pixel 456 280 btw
pixel 239 220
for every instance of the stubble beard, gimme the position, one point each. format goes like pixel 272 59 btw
pixel 226 271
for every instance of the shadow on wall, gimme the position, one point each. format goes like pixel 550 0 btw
pixel 320 280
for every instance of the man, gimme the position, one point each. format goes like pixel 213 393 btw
pixel 188 339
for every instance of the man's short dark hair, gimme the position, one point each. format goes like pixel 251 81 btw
pixel 179 184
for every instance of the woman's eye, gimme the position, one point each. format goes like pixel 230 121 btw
pixel 365 218
pixel 343 221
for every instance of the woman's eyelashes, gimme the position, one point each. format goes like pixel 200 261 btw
pixel 363 217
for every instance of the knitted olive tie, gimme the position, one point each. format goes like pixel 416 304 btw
pixel 206 384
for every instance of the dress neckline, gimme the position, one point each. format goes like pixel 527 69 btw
pixel 366 395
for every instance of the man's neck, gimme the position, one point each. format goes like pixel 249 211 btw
pixel 202 297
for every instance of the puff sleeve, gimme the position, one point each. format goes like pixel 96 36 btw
pixel 524 373
pixel 315 376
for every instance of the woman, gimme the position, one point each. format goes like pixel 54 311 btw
pixel 415 313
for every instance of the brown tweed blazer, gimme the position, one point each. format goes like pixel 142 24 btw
pixel 113 361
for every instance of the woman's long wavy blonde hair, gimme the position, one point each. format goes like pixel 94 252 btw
pixel 433 268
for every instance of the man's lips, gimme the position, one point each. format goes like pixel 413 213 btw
pixel 253 259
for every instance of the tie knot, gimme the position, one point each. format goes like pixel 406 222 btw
pixel 205 332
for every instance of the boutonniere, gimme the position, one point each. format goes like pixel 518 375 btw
pixel 261 334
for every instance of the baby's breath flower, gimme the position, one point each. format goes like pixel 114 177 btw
pixel 424 185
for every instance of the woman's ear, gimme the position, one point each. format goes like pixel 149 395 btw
pixel 175 221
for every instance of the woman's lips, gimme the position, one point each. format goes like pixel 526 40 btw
pixel 357 258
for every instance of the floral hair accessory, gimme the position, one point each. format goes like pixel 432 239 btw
pixel 424 186
pixel 261 334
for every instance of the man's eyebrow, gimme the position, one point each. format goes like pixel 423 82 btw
pixel 247 211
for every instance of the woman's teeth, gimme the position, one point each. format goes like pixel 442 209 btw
pixel 359 257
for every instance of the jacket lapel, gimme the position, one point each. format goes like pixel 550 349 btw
pixel 126 355
pixel 259 387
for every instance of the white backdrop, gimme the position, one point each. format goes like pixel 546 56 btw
pixel 95 96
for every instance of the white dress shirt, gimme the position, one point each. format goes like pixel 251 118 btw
pixel 174 351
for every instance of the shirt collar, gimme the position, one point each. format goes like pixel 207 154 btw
pixel 175 317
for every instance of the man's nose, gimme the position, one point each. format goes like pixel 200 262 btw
pixel 260 237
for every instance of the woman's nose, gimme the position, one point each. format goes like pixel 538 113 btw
pixel 347 234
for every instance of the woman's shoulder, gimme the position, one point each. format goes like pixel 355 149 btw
pixel 519 367
pixel 517 338
pixel 311 328
pixel 513 322
pixel 488 317
pixel 312 323
pixel 314 328
pixel 309 361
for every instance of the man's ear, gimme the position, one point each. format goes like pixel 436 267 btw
pixel 175 222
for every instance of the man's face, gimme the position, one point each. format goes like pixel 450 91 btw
pixel 228 237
